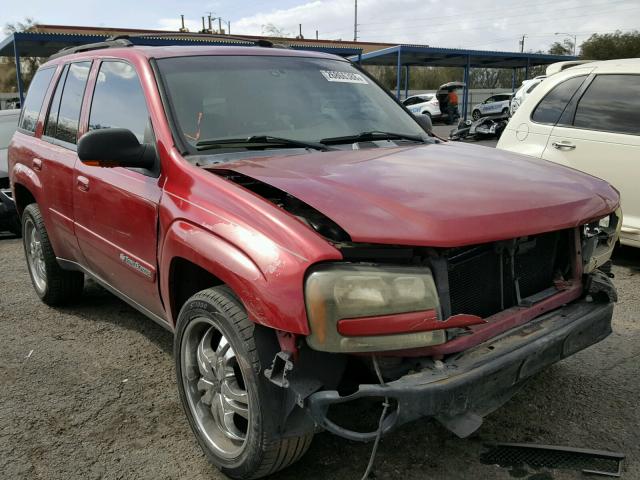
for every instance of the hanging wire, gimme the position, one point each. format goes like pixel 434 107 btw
pixel 385 407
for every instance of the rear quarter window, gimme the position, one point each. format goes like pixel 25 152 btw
pixel 550 108
pixel 35 96
pixel 611 103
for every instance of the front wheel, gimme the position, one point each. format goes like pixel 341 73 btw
pixel 231 407
pixel 475 115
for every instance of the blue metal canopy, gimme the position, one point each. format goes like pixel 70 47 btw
pixel 40 44
pixel 421 55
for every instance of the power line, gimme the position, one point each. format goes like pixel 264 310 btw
pixel 490 25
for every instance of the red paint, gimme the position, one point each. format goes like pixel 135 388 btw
pixel 437 195
pixel 411 322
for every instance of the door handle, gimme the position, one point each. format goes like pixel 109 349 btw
pixel 37 164
pixel 564 145
pixel 83 183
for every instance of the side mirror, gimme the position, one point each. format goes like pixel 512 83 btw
pixel 425 122
pixel 115 147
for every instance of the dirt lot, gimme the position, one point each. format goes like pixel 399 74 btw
pixel 88 392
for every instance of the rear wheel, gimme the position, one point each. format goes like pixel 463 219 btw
pixel 475 114
pixel 53 285
pixel 231 407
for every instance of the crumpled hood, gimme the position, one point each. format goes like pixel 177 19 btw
pixel 442 195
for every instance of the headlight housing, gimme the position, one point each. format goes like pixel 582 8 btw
pixel 598 240
pixel 337 293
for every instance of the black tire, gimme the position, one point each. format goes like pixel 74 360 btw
pixel 264 451
pixel 476 114
pixel 505 111
pixel 60 286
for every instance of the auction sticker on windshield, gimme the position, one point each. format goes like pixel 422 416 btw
pixel 344 77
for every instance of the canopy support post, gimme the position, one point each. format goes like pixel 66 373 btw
pixel 465 92
pixel 406 81
pixel 398 72
pixel 16 53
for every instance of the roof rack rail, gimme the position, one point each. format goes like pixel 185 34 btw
pixel 108 43
pixel 259 42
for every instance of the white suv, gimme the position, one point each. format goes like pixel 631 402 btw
pixel 491 106
pixel 588 118
pixel 425 104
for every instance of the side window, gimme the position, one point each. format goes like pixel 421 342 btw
pixel 54 108
pixel 410 101
pixel 71 102
pixel 33 103
pixel 118 101
pixel 611 103
pixel 553 104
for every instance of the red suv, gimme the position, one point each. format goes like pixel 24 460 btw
pixel 306 240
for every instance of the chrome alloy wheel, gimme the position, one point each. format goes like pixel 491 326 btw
pixel 35 255
pixel 214 387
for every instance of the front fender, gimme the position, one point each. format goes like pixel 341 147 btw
pixel 269 282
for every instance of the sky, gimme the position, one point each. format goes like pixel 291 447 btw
pixel 496 25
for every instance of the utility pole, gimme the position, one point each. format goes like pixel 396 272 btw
pixel 229 27
pixel 316 34
pixel 522 43
pixel 209 16
pixel 219 25
pixel 355 23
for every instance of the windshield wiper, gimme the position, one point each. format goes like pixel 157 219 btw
pixel 265 141
pixel 373 135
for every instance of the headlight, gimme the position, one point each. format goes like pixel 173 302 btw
pixel 336 294
pixel 598 240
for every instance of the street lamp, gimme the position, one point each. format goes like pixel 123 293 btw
pixel 575 40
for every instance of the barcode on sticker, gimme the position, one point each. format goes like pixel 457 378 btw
pixel 344 77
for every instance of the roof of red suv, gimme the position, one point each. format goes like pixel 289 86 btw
pixel 192 50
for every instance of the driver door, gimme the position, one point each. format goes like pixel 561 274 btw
pixel 116 209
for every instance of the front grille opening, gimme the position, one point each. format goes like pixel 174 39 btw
pixel 486 279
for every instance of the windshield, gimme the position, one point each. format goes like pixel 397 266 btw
pixel 297 98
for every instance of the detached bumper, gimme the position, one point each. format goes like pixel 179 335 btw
pixel 474 383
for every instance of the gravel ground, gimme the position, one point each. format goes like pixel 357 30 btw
pixel 88 392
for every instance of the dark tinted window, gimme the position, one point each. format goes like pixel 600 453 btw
pixel 54 108
pixel 611 103
pixel 71 102
pixel 118 101
pixel 33 102
pixel 553 104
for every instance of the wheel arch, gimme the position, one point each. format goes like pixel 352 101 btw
pixel 193 257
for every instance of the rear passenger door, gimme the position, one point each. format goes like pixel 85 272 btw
pixel 57 156
pixel 599 133
pixel 116 209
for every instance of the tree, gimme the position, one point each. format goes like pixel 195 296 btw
pixel 270 30
pixel 562 48
pixel 28 65
pixel 607 46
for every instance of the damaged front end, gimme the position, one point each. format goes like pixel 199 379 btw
pixel 457 331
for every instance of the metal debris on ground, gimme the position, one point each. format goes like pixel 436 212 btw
pixel 595 462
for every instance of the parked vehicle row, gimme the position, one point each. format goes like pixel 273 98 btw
pixel 587 117
pixel 9 220
pixel 305 239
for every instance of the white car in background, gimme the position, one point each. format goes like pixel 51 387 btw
pixel 523 92
pixel 493 105
pixel 425 104
pixel 587 117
